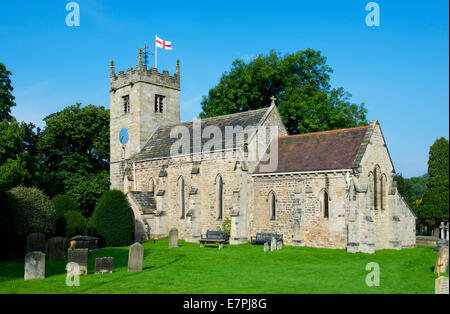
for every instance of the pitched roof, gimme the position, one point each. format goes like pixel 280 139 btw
pixel 329 150
pixel 159 145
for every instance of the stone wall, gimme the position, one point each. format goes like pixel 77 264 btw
pixel 407 225
pixel 201 191
pixel 394 224
pixel 302 195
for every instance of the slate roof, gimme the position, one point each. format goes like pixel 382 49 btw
pixel 329 150
pixel 159 145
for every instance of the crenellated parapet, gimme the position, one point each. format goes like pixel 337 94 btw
pixel 143 75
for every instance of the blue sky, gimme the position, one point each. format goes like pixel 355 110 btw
pixel 400 69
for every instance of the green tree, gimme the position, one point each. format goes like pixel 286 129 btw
pixel 63 204
pixel 18 155
pixel 411 189
pixel 405 188
pixel 113 219
pixel 75 150
pixel 6 97
pixel 301 84
pixel 434 207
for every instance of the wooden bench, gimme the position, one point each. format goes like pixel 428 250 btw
pixel 262 238
pixel 219 237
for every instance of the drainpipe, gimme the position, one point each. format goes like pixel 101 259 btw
pixel 134 174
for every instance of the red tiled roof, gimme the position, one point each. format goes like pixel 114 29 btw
pixel 328 150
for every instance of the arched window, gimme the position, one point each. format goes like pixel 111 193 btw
pixel 272 205
pixel 383 191
pixel 219 193
pixel 151 186
pixel 377 187
pixel 325 204
pixel 181 198
pixel 372 189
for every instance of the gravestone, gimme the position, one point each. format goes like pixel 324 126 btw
pixel 34 266
pixel 135 257
pixel 441 285
pixel 273 245
pixel 36 243
pixel 104 265
pixel 279 245
pixel 57 248
pixel 80 257
pixel 173 238
pixel 442 259
pixel 266 247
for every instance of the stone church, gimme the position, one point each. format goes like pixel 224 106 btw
pixel 330 189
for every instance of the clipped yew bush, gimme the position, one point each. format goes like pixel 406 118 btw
pixel 32 210
pixel 113 219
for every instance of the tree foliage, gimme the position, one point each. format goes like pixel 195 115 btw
pixel 63 204
pixel 113 219
pixel 76 223
pixel 411 189
pixel 75 150
pixel 434 207
pixel 301 84
pixel 6 97
pixel 18 158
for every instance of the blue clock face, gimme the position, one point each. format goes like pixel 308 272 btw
pixel 123 136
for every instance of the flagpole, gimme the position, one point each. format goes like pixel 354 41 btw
pixel 156 55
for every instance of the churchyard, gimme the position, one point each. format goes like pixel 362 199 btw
pixel 187 268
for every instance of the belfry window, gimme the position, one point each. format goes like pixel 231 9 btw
pixel 159 103
pixel 126 104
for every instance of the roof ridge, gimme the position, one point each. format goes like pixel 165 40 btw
pixel 217 117
pixel 329 131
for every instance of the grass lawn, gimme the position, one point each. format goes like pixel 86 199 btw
pixel 242 269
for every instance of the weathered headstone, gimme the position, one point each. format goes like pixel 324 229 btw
pixel 279 245
pixel 273 245
pixel 173 238
pixel 266 247
pixel 442 260
pixel 34 266
pixel 36 243
pixel 135 257
pixel 441 285
pixel 104 265
pixel 57 248
pixel 80 257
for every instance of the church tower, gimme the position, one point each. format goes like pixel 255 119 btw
pixel 141 100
